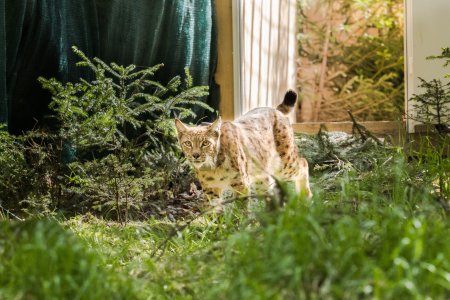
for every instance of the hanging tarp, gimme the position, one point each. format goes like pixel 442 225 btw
pixel 36 38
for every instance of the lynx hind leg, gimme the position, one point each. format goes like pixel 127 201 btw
pixel 286 148
pixel 302 180
pixel 293 168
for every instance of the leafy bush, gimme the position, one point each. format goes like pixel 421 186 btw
pixel 14 168
pixel 113 149
pixel 111 124
pixel 31 173
pixel 121 107
pixel 350 58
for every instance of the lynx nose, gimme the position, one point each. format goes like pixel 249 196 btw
pixel 195 155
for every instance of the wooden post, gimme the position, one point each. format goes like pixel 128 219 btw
pixel 224 72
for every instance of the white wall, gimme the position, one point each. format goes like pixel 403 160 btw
pixel 427 31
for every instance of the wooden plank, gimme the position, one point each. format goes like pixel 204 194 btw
pixel 224 72
pixel 378 128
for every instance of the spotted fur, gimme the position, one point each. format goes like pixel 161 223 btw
pixel 243 155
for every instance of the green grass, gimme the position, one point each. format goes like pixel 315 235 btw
pixel 41 260
pixel 368 233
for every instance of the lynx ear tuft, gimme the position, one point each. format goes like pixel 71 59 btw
pixel 180 126
pixel 215 126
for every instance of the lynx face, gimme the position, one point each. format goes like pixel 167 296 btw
pixel 200 144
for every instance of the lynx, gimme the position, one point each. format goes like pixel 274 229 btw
pixel 244 155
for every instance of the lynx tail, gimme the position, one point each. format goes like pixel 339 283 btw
pixel 288 102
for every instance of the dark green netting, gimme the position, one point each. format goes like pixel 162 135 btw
pixel 3 99
pixel 36 38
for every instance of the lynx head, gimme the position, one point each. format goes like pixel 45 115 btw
pixel 200 144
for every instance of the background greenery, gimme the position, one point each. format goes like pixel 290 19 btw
pixel 350 58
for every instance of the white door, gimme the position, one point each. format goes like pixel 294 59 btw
pixel 265 40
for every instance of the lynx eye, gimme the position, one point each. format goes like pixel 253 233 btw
pixel 187 144
pixel 206 144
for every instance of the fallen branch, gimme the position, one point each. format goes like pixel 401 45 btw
pixel 361 130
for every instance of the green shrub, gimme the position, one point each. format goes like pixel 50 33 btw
pixel 110 131
pixel 113 149
pixel 14 169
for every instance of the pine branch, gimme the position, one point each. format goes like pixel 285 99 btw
pixel 361 130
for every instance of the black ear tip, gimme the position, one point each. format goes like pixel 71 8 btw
pixel 290 98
